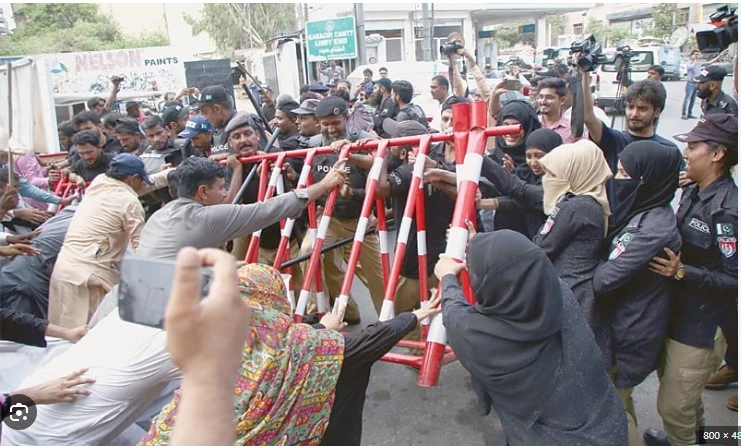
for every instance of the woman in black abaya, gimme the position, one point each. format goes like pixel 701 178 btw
pixel 513 148
pixel 530 354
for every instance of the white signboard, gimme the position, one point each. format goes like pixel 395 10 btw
pixel 142 69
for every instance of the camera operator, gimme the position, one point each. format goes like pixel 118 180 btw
pixel 709 89
pixel 645 100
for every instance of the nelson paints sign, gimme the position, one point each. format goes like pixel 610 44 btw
pixel 143 69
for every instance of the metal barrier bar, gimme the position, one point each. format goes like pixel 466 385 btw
pixel 383 240
pixel 370 195
pixel 387 310
pixel 262 196
pixel 468 176
pixel 311 272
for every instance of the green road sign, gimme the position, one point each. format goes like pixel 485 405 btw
pixel 331 39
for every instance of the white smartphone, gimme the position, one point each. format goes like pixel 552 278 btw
pixel 145 288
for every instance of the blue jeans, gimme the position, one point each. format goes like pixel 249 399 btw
pixel 690 93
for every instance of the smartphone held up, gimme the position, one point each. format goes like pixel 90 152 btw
pixel 145 289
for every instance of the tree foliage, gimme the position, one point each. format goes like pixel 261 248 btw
pixel 64 27
pixel 662 15
pixel 508 36
pixel 243 25
pixel 607 36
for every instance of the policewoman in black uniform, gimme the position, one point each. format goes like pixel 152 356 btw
pixel 706 271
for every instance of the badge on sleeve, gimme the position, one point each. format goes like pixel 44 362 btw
pixel 726 239
pixel 548 225
pixel 621 245
pixel 727 246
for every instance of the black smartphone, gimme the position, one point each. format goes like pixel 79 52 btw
pixel 145 288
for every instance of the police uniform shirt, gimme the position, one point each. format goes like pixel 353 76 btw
pixel 291 142
pixel 438 213
pixel 387 109
pixel 345 208
pixel 708 224
pixel 220 139
pixel 724 103
pixel 412 112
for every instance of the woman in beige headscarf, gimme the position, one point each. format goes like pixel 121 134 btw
pixel 574 197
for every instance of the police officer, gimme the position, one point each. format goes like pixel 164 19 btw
pixel 714 99
pixel 386 108
pixel 216 105
pixel 707 274
pixel 332 113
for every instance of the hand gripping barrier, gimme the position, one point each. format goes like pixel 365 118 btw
pixel 469 138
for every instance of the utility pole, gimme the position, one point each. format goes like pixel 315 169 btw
pixel 360 33
pixel 426 33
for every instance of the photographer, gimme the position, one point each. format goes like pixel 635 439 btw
pixel 645 100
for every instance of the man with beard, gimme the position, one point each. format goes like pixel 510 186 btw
pixel 91 121
pixel 246 137
pixel 92 161
pixel 130 136
pixel 175 117
pixel 200 134
pixel 402 93
pixel 644 102
pixel 216 105
pixel 288 139
pixel 714 99
pixel 332 114
pixel 386 108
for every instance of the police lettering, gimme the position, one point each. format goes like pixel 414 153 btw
pixel 326 169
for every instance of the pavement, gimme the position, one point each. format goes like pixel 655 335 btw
pixel 399 413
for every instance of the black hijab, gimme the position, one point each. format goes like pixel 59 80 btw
pixel 654 172
pixel 544 139
pixel 526 116
pixel 510 341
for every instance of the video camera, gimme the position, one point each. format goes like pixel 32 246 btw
pixel 451 47
pixel 591 54
pixel 718 39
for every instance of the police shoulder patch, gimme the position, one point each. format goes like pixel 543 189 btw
pixel 727 246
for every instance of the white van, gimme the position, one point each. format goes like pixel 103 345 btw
pixel 643 58
pixel 607 78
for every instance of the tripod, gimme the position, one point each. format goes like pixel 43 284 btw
pixel 624 80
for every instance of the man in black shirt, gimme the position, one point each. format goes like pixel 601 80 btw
pixel 216 105
pixel 92 159
pixel 332 114
pixel 91 121
pixel 714 99
pixel 386 108
pixel 402 93
pixel 644 101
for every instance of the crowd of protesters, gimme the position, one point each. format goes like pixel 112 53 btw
pixel 586 279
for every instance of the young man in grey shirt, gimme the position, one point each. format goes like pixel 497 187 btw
pixel 199 217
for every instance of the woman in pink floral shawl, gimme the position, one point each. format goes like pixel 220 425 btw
pixel 286 386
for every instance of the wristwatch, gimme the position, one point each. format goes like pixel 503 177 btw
pixel 679 275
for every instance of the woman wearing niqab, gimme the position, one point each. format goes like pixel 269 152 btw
pixel 530 353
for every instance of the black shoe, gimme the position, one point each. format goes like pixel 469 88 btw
pixel 655 437
pixel 691 117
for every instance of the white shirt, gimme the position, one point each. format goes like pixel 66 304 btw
pixel 131 366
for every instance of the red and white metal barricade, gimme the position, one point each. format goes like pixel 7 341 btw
pixel 469 137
